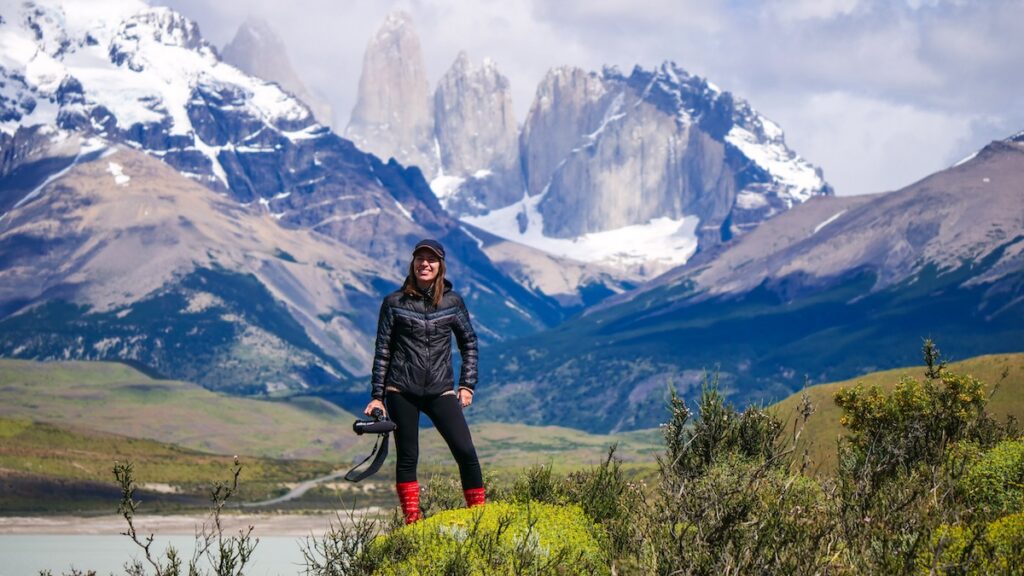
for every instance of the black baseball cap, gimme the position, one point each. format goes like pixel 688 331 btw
pixel 432 245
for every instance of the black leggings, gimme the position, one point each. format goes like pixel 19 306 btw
pixel 446 414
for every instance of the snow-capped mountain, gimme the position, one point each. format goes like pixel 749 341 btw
pixel 131 72
pixel 641 170
pixel 634 173
pixel 258 51
pixel 123 72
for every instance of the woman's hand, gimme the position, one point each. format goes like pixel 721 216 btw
pixel 375 404
pixel 465 397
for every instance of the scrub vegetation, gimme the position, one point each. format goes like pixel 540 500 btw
pixel 926 481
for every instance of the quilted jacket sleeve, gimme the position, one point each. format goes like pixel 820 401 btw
pixel 465 337
pixel 382 351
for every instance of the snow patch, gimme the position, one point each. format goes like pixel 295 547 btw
pixel 404 211
pixel 967 159
pixel 445 187
pixel 832 219
pixel 799 178
pixel 748 200
pixel 120 178
pixel 89 146
pixel 661 240
pixel 513 306
pixel 479 242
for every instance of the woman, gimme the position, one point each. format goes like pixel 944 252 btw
pixel 412 372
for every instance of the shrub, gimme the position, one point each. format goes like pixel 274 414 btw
pixel 439 493
pixel 905 464
pixel 339 552
pixel 538 484
pixel 691 449
pixel 1006 541
pixel 615 504
pixel 729 501
pixel 994 481
pixel 496 539
pixel 997 548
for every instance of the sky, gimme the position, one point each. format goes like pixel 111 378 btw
pixel 878 93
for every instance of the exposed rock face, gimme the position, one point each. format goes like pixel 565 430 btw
pixel 640 172
pixel 257 50
pixel 570 103
pixel 477 137
pixel 393 115
pixel 609 151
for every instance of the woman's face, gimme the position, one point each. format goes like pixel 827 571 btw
pixel 425 265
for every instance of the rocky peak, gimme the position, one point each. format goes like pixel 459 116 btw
pixel 156 25
pixel 639 171
pixel 393 116
pixel 564 108
pixel 258 50
pixel 477 138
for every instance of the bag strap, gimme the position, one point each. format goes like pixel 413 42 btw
pixel 378 461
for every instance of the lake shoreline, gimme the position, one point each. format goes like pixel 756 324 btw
pixel 265 524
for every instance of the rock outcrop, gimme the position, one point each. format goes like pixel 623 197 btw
pixel 257 50
pixel 477 137
pixel 393 116
pixel 609 150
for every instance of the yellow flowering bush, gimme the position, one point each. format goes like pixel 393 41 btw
pixel 501 538
pixel 997 549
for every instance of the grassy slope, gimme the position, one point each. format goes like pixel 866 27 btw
pixel 823 428
pixel 48 467
pixel 114 398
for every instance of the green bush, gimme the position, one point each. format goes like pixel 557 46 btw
pixel 904 469
pixel 994 481
pixel 914 423
pixel 496 539
pixel 538 484
pixel 729 501
pixel 1006 541
pixel 997 548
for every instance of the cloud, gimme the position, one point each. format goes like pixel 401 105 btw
pixel 893 144
pixel 796 10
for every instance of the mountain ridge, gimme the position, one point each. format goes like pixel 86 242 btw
pixel 804 296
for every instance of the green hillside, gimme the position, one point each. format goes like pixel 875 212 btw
pixel 823 428
pixel 115 398
pixel 608 369
pixel 44 467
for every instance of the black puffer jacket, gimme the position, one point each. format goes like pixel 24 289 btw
pixel 414 344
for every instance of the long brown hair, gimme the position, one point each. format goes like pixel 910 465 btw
pixel 409 288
